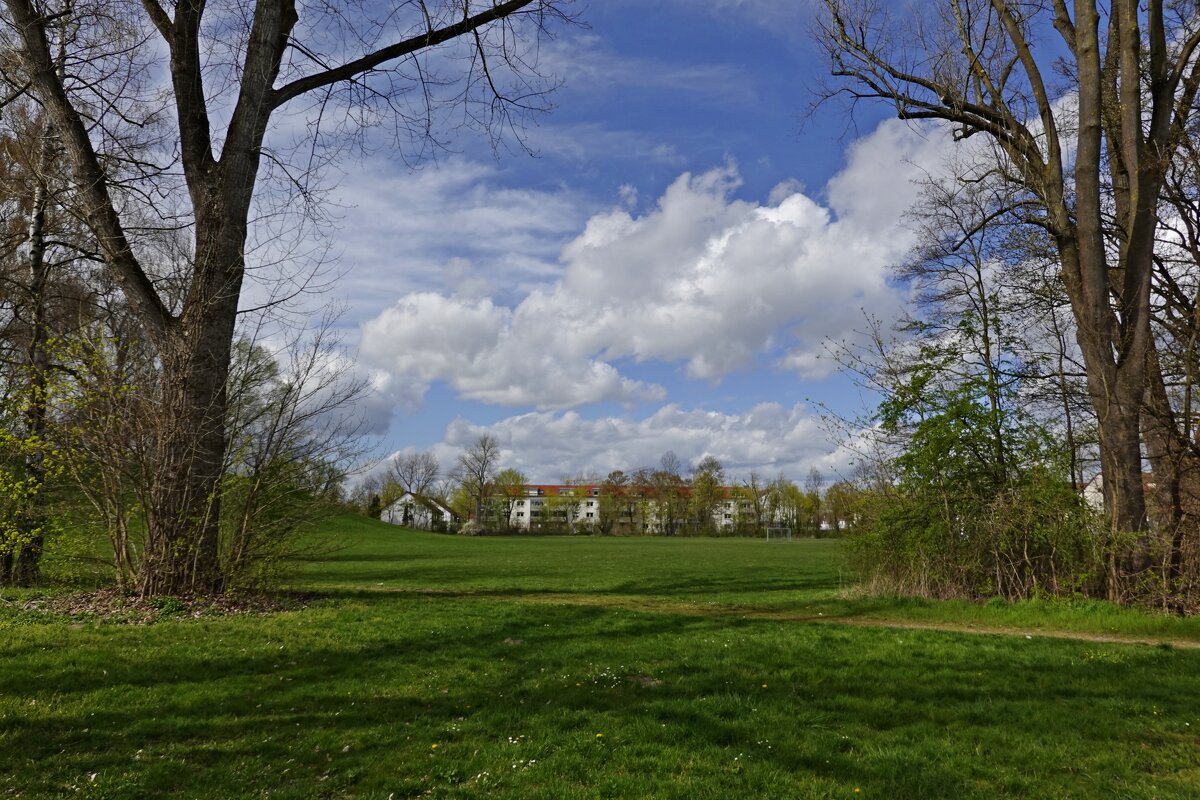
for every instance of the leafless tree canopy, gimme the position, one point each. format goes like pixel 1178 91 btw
pixel 415 472
pixel 162 114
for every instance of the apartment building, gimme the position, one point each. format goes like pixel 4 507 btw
pixel 566 505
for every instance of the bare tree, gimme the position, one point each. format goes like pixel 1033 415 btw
pixel 225 91
pixel 1079 159
pixel 43 297
pixel 415 472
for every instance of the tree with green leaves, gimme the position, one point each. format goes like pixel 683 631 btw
pixel 707 493
pixel 508 488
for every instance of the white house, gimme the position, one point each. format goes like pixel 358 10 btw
pixel 417 511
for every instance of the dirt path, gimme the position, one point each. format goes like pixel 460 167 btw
pixel 662 606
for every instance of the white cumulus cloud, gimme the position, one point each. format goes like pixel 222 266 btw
pixel 714 283
pixel 770 438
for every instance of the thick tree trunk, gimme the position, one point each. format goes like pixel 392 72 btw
pixel 184 510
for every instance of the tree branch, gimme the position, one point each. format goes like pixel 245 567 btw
pixel 422 42
pixel 90 178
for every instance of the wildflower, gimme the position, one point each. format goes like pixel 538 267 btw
pixel 599 735
pixel 433 746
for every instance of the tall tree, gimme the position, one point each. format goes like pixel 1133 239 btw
pixel 614 506
pixel 667 497
pixel 225 91
pixel 508 488
pixel 1088 163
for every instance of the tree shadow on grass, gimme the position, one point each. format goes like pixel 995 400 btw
pixel 900 716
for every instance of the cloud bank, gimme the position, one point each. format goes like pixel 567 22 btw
pixel 704 280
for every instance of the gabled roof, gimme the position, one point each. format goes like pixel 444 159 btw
pixel 428 503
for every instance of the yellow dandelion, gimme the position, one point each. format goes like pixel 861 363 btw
pixel 599 735
pixel 433 747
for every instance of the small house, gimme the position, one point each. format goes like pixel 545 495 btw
pixel 418 511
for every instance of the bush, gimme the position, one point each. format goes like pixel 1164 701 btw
pixel 1032 538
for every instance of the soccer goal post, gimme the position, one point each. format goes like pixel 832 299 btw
pixel 779 534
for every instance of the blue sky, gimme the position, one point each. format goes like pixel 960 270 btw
pixel 664 274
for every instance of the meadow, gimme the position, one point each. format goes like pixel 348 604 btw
pixel 435 666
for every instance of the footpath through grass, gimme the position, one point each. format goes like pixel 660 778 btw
pixel 591 668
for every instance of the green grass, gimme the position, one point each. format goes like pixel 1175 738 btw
pixel 803 579
pixel 512 655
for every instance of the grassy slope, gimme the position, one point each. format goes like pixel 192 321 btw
pixel 509 656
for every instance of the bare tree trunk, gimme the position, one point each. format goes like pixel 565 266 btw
pixel 185 503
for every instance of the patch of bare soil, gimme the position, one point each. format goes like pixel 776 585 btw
pixel 109 605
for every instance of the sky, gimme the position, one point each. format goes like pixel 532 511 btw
pixel 664 272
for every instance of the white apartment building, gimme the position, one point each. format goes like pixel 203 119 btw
pixel 575 506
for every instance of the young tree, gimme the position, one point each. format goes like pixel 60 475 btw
pixel 813 484
pixel 707 493
pixel 293 435
pixel 508 487
pixel 668 499
pixel 225 91
pixel 755 493
pixel 614 507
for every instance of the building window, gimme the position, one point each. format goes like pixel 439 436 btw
pixel 595 492
pixel 520 513
pixel 591 503
pixel 520 502
pixel 590 515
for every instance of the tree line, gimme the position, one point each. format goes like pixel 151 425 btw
pixel 668 499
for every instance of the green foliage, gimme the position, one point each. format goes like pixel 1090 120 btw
pixel 35 505
pixel 981 506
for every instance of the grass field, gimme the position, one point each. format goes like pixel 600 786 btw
pixel 435 666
